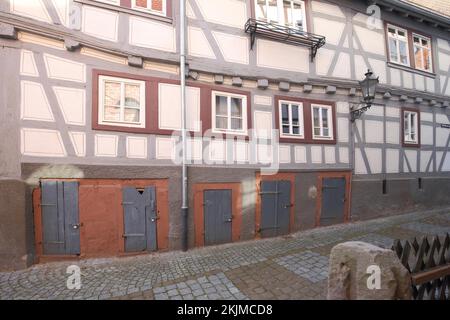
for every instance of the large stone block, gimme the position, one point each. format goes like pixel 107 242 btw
pixel 351 276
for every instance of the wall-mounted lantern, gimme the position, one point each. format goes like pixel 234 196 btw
pixel 368 87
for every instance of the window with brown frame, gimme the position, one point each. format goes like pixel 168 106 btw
pixel 305 121
pixel 410 127
pixel 158 7
pixel 130 103
pixel 409 48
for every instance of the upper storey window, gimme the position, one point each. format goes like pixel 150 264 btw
pixel 152 6
pixel 398 45
pixel 229 112
pixel 158 7
pixel 290 13
pixel 409 49
pixel 422 52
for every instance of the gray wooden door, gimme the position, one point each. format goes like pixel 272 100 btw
pixel 218 216
pixel 333 201
pixel 275 207
pixel 60 218
pixel 139 210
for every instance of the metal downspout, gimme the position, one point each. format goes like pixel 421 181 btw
pixel 184 190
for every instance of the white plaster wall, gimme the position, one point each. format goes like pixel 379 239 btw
pixel 170 107
pixel 198 45
pixel 106 145
pixel 41 143
pixel 327 8
pixel 300 154
pixel 64 69
pixel 392 132
pixel 165 148
pixel 100 23
pixel 411 155
pixel 263 124
pixel 79 143
pixel 316 154
pixel 233 48
pixel 424 159
pixel 331 30
pixel 262 100
pixel 284 153
pixel 34 103
pixel 28 64
pixel 163 35
pixel 72 103
pixel 375 159
pixel 32 9
pixel 392 160
pixel 137 147
pixel 374 131
pixel 226 12
pixel 281 56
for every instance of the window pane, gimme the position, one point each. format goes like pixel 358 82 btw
pixel 393 49
pixel 221 106
pixel 406 123
pixel 316 117
pixel 112 93
pixel 131 115
pixel 401 34
pixel 111 113
pixel 295 130
pixel 317 131
pixel 325 118
pixel 285 113
pixel 221 123
pixel 391 31
pixel 236 107
pixel 403 52
pixel 261 12
pixel 426 59
pixel 272 11
pixel 236 124
pixel 418 57
pixel 285 129
pixel 295 120
pixel 326 132
pixel 132 95
pixel 425 43
pixel 416 40
pixel 299 20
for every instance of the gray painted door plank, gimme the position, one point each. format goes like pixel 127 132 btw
pixel 217 216
pixel 333 201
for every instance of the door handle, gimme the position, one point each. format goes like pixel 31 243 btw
pixel 288 205
pixel 229 220
pixel 76 226
pixel 154 219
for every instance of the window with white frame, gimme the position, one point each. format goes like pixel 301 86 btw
pixel 291 119
pixel 398 45
pixel 121 102
pixel 322 120
pixel 422 52
pixel 290 13
pixel 410 127
pixel 229 112
pixel 152 6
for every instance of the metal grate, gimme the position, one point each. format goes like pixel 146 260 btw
pixel 429 265
pixel 283 34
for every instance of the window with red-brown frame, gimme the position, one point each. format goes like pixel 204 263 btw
pixel 159 7
pixel 409 48
pixel 305 120
pixel 410 127
pixel 130 103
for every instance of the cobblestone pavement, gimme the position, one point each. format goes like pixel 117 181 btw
pixel 291 267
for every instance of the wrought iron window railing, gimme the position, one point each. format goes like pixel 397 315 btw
pixel 283 34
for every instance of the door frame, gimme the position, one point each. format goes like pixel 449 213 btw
pixel 290 176
pixel 199 213
pixel 347 175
